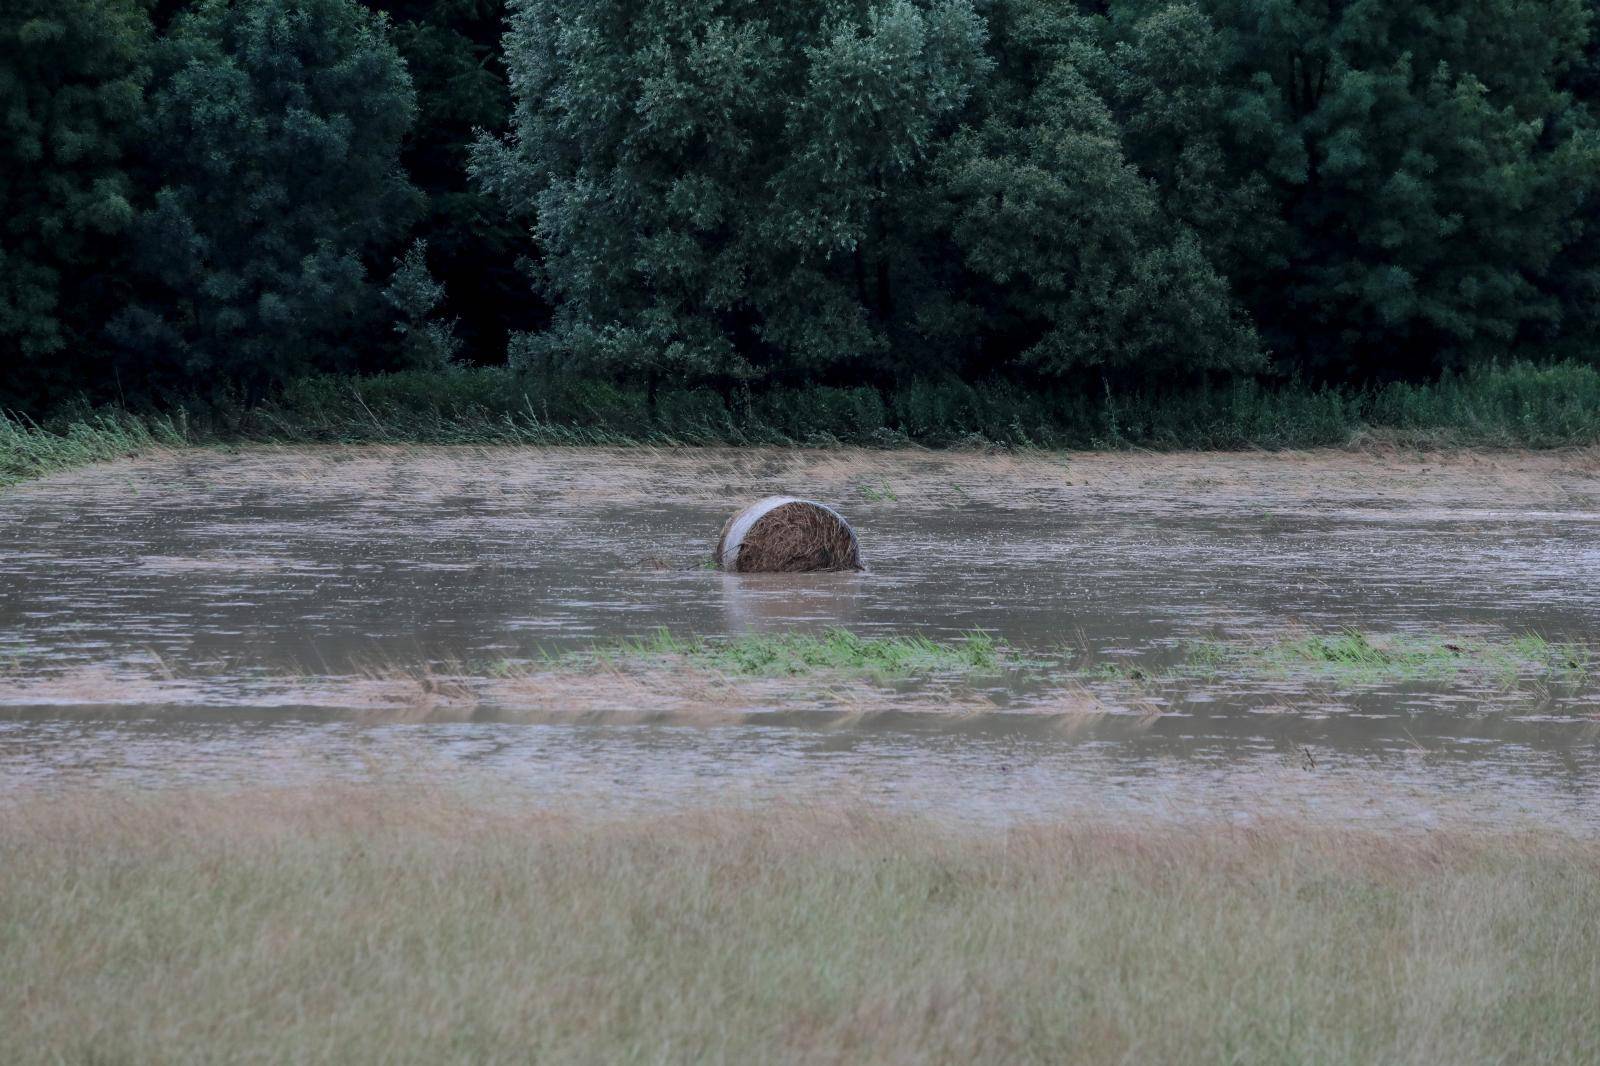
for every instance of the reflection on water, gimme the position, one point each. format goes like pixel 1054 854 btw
pixel 320 562
pixel 775 603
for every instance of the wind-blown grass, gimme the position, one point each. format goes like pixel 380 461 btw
pixel 1518 405
pixel 29 451
pixel 381 926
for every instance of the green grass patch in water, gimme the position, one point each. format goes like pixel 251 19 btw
pixel 836 651
pixel 1356 657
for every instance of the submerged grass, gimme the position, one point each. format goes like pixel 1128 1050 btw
pixel 1352 658
pixel 670 676
pixel 836 651
pixel 380 925
pixel 1356 657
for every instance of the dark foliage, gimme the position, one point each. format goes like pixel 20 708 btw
pixel 72 77
pixel 861 202
pixel 270 146
pixel 452 48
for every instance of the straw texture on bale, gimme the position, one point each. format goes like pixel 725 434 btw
pixel 785 535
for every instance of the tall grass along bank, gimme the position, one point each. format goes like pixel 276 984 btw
pixel 28 450
pixel 1522 405
pixel 380 926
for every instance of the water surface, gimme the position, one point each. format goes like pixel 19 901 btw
pixel 152 610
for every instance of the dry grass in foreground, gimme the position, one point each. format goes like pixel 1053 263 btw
pixel 366 926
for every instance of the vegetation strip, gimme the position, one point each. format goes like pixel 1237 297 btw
pixel 670 673
pixel 1356 658
pixel 837 651
pixel 1516 406
pixel 1004 197
pixel 28 451
pixel 426 925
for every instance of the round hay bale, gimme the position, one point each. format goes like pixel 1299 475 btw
pixel 785 535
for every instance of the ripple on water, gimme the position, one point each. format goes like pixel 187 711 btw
pixel 208 578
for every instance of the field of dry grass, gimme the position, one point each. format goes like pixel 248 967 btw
pixel 365 925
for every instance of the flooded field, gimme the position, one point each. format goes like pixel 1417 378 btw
pixel 285 616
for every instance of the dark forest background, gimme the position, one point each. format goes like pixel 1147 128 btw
pixel 221 203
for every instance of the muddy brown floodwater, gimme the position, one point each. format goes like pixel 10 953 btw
pixel 227 618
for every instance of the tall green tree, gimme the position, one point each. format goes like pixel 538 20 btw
pixel 429 341
pixel 1421 156
pixel 1187 130
pixel 452 50
pixel 719 188
pixel 1574 277
pixel 1076 262
pixel 72 77
pixel 272 141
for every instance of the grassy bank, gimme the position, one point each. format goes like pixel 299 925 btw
pixel 1520 405
pixel 373 926
pixel 28 450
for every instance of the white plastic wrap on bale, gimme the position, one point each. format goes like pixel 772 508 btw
pixel 745 519
pixel 741 524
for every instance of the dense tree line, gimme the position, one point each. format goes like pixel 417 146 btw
pixel 212 198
